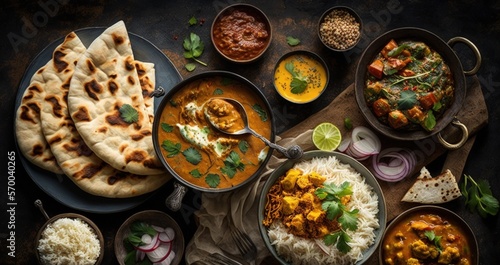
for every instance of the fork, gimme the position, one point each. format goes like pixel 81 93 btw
pixel 244 243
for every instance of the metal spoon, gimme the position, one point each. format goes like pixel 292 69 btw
pixel 293 152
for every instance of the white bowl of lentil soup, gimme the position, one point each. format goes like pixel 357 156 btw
pixel 339 28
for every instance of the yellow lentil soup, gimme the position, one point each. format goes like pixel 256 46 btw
pixel 300 77
pixel 196 151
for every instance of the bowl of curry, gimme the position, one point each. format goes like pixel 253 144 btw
pixel 241 33
pixel 197 154
pixel 428 235
pixel 410 84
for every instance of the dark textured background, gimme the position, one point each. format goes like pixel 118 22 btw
pixel 164 23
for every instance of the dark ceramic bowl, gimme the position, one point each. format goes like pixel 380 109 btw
pixel 335 41
pixel 450 217
pixel 226 39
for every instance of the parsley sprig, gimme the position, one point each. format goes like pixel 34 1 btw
pixel 299 82
pixel 478 196
pixel 331 195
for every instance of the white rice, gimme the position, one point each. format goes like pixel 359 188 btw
pixel 298 250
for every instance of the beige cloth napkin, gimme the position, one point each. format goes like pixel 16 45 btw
pixel 212 234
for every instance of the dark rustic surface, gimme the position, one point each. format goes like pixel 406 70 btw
pixel 35 24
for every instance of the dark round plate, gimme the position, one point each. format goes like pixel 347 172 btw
pixel 60 187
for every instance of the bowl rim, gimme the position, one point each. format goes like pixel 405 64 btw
pixel 179 86
pixel 358 166
pixel 254 9
pixel 434 209
pixel 352 12
pixel 85 219
pixel 125 226
pixel 314 56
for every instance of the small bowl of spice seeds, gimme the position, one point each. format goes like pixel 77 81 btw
pixel 340 28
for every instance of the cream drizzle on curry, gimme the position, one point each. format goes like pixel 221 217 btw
pixel 195 150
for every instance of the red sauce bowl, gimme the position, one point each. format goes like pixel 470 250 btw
pixel 241 33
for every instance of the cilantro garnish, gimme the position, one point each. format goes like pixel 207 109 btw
pixel 212 180
pixel 243 146
pixel 190 67
pixel 262 113
pixel 193 48
pixel 192 155
pixel 478 196
pixel 193 21
pixel 436 240
pixel 218 91
pixel 299 82
pixel 292 41
pixel 172 148
pixel 195 173
pixel 167 127
pixel 232 163
pixel 128 113
pixel 331 195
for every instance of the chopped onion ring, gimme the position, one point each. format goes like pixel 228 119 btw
pixel 362 143
pixel 393 164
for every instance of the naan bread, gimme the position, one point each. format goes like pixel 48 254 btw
pixel 29 133
pixel 105 79
pixel 78 162
pixel 433 190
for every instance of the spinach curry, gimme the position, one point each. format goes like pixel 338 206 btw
pixel 409 86
pixel 199 153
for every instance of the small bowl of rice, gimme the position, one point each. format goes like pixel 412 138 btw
pixel 69 238
pixel 295 227
pixel 340 28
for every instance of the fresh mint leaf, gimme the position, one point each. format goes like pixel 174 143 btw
pixel 192 155
pixel 172 148
pixel 128 113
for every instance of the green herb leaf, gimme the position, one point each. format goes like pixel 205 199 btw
pixel 332 209
pixel 478 197
pixel 243 146
pixel 343 241
pixel 299 82
pixel 436 240
pixel 429 121
pixel 348 123
pixel 172 148
pixel 213 180
pixel 193 21
pixel 190 67
pixel 218 91
pixel 167 127
pixel 195 173
pixel 128 113
pixel 260 111
pixel 193 48
pixel 349 220
pixel 292 41
pixel 407 100
pixel 228 171
pixel 192 155
pixel 398 50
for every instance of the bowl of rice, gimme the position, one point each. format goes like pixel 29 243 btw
pixel 69 238
pixel 326 208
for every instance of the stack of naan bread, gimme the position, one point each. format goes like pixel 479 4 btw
pixel 69 119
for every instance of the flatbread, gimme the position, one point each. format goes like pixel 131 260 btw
pixel 30 138
pixel 78 162
pixel 433 190
pixel 106 79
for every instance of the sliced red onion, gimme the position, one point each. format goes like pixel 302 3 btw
pixel 362 144
pixel 400 163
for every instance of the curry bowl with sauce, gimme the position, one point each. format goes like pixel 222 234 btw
pixel 429 235
pixel 301 76
pixel 241 33
pixel 196 153
pixel 421 80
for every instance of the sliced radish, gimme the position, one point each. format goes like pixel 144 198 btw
pixel 158 228
pixel 160 253
pixel 154 244
pixel 170 233
pixel 139 255
pixel 146 239
pixel 168 260
pixel 164 237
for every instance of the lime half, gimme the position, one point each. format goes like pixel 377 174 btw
pixel 326 136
